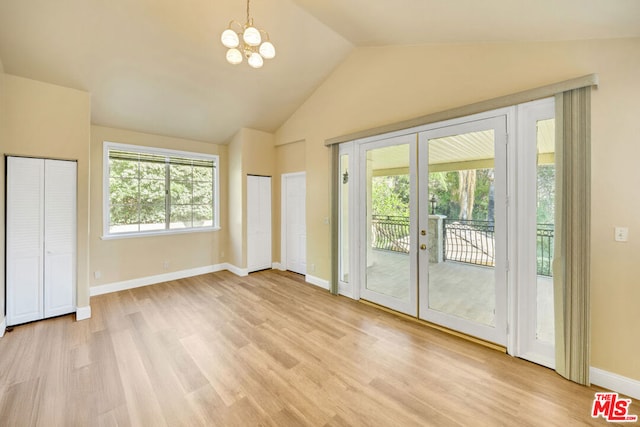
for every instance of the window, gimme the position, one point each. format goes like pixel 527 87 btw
pixel 154 191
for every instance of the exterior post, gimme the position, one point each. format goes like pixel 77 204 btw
pixel 435 238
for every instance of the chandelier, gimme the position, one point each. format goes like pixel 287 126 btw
pixel 247 41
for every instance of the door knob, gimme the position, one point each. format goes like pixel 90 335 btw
pixel 423 247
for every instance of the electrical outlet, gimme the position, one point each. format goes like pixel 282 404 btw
pixel 97 274
pixel 165 265
pixel 621 234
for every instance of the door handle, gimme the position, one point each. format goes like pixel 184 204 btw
pixel 423 247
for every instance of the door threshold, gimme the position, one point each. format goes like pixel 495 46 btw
pixel 466 337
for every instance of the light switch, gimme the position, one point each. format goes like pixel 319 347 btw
pixel 621 234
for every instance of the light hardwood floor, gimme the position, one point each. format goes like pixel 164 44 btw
pixel 268 349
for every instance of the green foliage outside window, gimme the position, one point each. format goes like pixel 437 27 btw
pixel 153 192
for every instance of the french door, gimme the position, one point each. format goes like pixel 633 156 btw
pixel 388 220
pixel 420 253
pixel 463 245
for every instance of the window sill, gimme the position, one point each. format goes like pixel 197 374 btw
pixel 158 233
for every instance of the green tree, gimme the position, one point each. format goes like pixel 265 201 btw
pixel 138 193
pixel 546 187
pixel 390 195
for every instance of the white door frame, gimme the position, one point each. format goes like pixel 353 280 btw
pixel 283 214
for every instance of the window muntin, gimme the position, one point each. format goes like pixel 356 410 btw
pixel 153 191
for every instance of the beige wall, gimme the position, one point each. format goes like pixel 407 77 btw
pixel 377 86
pixel 2 174
pixel 251 152
pixel 259 158
pixel 44 120
pixel 131 258
pixel 290 158
pixel 237 231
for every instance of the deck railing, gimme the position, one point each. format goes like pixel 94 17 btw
pixel 390 233
pixel 468 241
pixel 544 248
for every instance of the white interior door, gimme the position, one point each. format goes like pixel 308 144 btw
pixel 25 239
pixel 463 258
pixel 294 223
pixel 258 223
pixel 59 237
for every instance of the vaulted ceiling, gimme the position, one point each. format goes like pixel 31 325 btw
pixel 158 66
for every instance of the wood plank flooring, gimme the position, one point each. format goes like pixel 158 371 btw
pixel 269 350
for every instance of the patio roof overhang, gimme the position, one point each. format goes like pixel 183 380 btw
pixel 473 150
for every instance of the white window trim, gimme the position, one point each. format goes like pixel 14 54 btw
pixel 107 145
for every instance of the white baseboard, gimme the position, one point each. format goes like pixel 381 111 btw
pixel 3 326
pixel 615 382
pixel 160 278
pixel 83 313
pixel 235 270
pixel 278 266
pixel 324 284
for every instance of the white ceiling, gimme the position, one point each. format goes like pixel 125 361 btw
pixel 157 65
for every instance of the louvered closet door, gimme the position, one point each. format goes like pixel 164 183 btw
pixel 25 239
pixel 59 237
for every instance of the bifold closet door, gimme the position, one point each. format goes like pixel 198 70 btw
pixel 59 237
pixel 25 240
pixel 41 238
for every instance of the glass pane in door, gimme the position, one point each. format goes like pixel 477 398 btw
pixel 388 264
pixel 461 226
pixel 545 211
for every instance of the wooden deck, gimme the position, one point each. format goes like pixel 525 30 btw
pixel 465 290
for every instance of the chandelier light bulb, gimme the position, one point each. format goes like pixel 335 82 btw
pixel 267 50
pixel 234 56
pixel 230 38
pixel 251 36
pixel 246 42
pixel 255 60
